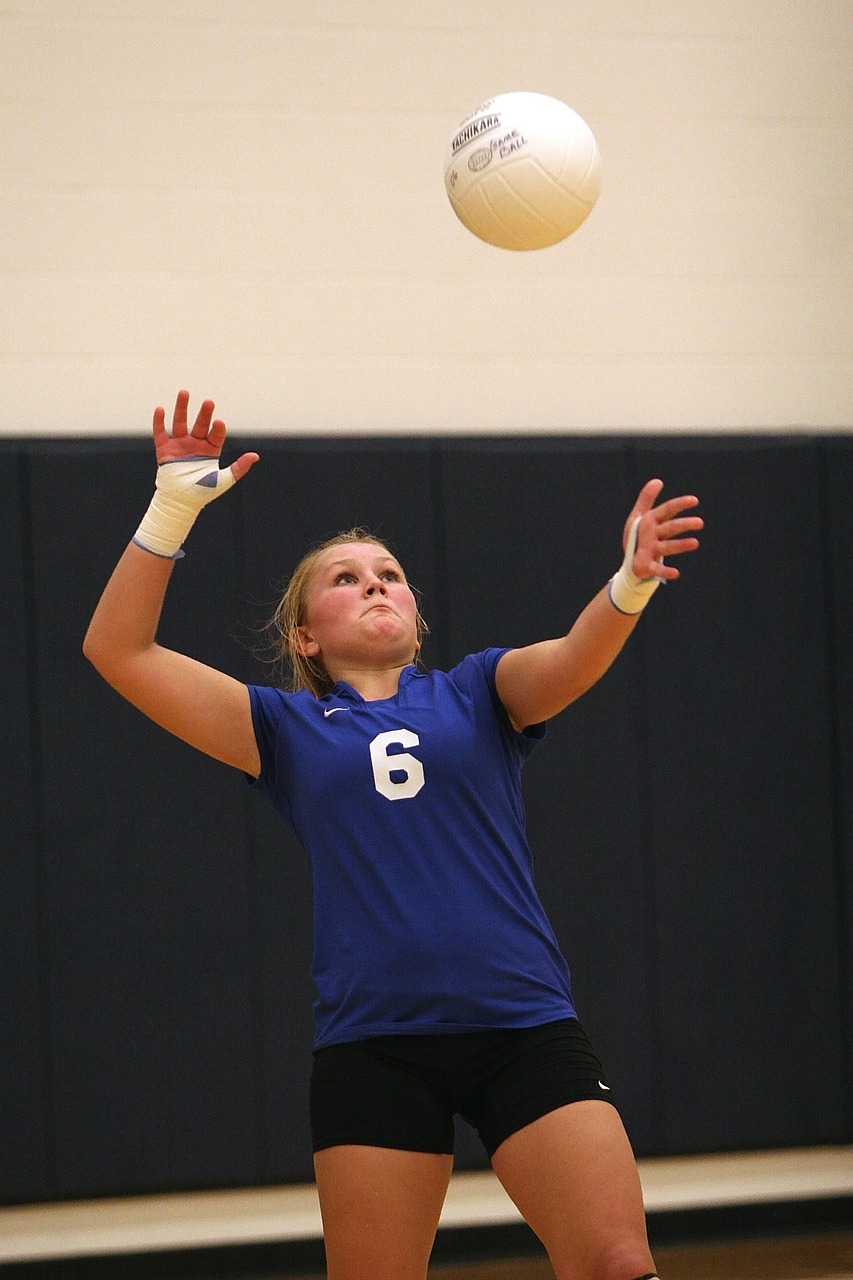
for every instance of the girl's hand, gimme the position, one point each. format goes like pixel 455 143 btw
pixel 205 440
pixel 188 476
pixel 661 531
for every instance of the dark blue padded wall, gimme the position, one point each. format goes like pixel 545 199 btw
pixel 691 817
pixel 149 935
pixel 26 1105
pixel 745 943
pixel 837 488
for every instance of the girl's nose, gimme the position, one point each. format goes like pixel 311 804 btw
pixel 376 585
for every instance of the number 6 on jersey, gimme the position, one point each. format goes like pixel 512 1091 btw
pixel 388 768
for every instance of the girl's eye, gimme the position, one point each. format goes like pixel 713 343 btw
pixel 392 575
pixel 345 577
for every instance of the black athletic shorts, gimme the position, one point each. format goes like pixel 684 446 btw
pixel 403 1091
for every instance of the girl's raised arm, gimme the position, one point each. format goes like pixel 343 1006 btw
pixel 203 706
pixel 538 681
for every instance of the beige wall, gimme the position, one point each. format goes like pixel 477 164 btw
pixel 246 198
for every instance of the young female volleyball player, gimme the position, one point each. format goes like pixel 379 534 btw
pixel 440 985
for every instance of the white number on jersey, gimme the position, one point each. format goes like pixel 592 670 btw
pixel 397 776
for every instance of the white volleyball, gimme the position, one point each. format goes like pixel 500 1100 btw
pixel 522 171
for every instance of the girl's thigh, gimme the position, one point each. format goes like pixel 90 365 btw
pixel 573 1177
pixel 380 1210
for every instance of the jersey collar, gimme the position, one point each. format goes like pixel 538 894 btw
pixel 349 694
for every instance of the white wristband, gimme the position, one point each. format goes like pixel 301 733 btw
pixel 628 593
pixel 182 489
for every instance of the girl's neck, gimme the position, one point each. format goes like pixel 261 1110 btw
pixel 373 685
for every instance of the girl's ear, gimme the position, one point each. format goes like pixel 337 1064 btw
pixel 305 643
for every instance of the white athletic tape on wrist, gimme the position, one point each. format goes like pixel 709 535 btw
pixel 181 490
pixel 628 593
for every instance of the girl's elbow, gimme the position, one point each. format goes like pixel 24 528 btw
pixel 98 654
pixel 90 649
pixel 94 650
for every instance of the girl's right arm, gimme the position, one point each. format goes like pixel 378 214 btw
pixel 204 707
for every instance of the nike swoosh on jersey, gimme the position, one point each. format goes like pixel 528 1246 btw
pixel 330 711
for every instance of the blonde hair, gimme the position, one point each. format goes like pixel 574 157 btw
pixel 299 671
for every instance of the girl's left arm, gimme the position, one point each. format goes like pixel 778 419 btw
pixel 540 680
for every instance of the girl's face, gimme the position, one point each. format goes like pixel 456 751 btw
pixel 360 611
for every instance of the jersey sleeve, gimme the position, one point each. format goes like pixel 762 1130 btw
pixel 268 715
pixel 486 663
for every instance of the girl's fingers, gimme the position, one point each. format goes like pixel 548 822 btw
pixel 675 528
pixel 216 435
pixel 673 507
pixel 179 417
pixel 675 546
pixel 201 426
pixel 160 433
pixel 207 435
pixel 646 497
pixel 242 465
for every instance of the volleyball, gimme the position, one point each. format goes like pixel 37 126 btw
pixel 522 171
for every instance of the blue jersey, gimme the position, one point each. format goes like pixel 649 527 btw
pixel 426 918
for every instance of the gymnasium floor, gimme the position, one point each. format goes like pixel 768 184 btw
pixel 808 1258
pixel 168 1236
